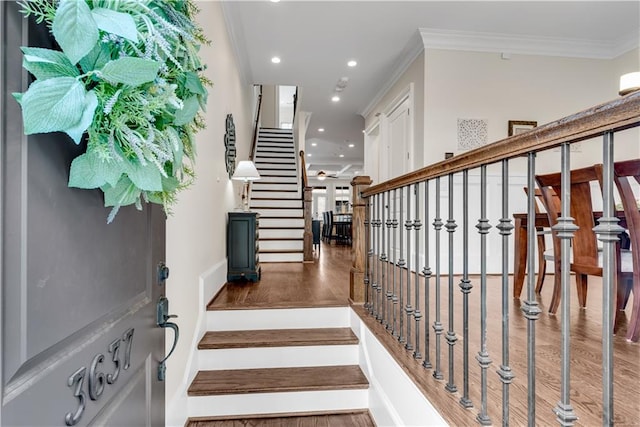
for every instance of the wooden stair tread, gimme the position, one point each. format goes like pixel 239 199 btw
pixel 281 251
pixel 277 338
pixel 354 418
pixel 280 238
pixel 274 380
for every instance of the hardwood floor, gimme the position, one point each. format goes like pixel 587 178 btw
pixel 327 281
pixel 324 283
pixel 350 419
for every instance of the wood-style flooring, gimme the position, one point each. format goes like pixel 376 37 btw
pixel 346 419
pixel 327 281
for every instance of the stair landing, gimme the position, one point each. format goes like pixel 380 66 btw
pixel 347 418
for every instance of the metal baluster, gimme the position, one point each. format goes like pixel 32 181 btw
pixel 394 298
pixel 483 356
pixel 451 335
pixel 530 306
pixel 437 324
pixel 426 271
pixel 408 308
pixel 417 315
pixel 608 231
pixel 389 293
pixel 385 267
pixel 401 337
pixel 380 264
pixel 465 288
pixel 367 237
pixel 376 265
pixel 505 227
pixel 565 230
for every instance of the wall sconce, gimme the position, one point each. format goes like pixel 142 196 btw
pixel 246 171
pixel 629 82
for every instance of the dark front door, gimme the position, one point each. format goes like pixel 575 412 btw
pixel 80 344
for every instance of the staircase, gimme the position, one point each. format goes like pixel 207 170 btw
pixel 277 197
pixel 278 363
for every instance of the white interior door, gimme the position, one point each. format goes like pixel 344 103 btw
pixel 398 139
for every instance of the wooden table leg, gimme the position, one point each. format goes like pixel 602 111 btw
pixel 519 257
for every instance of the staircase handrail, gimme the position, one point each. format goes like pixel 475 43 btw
pixel 256 122
pixel 303 171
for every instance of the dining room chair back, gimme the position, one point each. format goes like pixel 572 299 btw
pixel 625 173
pixel 586 259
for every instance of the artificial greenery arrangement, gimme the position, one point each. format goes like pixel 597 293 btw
pixel 128 76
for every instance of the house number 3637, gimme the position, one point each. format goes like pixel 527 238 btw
pixel 120 351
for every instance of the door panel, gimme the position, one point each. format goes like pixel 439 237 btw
pixel 399 140
pixel 78 296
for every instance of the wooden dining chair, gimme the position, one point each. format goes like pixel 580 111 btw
pixel 622 172
pixel 544 254
pixel 586 258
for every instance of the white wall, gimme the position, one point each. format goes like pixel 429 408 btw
pixel 196 229
pixel 476 85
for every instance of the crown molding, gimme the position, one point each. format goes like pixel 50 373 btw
pixel 525 45
pixel 413 48
pixel 625 44
pixel 237 40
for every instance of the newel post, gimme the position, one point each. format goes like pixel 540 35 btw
pixel 358 248
pixel 308 235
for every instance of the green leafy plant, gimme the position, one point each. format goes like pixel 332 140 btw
pixel 129 77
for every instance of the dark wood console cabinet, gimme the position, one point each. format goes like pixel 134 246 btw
pixel 243 260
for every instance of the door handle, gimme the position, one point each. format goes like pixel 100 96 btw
pixel 162 321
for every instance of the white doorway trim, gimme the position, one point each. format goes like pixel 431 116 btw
pixel 404 100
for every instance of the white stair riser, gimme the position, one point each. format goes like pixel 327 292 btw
pixel 273 168
pixel 267 159
pixel 257 185
pixel 268 153
pixel 284 318
pixel 281 257
pixel 276 131
pixel 262 403
pixel 269 213
pixel 282 245
pixel 277 357
pixel 279 179
pixel 273 149
pixel 279 222
pixel 294 233
pixel 290 203
pixel 281 172
pixel 275 194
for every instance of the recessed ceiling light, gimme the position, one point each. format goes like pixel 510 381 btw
pixel 351 145
pixel 275 1
pixel 308 154
pixel 363 131
pixel 335 98
pixel 320 129
pixel 341 155
pixel 275 60
pixel 352 63
pixel 313 144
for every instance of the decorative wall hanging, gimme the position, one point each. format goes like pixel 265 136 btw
pixel 472 133
pixel 520 126
pixel 129 82
pixel 230 145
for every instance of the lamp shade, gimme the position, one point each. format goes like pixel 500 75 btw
pixel 246 171
pixel 629 82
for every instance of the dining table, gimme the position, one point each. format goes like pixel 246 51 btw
pixel 521 238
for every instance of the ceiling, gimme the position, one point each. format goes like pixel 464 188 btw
pixel 315 39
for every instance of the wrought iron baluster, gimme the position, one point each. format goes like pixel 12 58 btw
pixel 465 289
pixel 408 308
pixel 426 271
pixel 389 294
pixel 608 231
pixel 367 237
pixel 451 335
pixel 384 265
pixel 483 355
pixel 437 324
pixel 505 227
pixel 394 298
pixel 376 265
pixel 417 315
pixel 530 306
pixel 380 263
pixel 401 337
pixel 565 230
